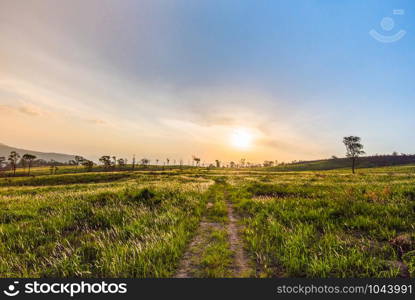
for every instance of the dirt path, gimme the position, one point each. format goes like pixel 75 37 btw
pixel 240 266
pixel 187 267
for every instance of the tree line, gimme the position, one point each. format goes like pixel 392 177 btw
pixel 354 149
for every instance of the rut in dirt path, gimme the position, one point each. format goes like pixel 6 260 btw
pixel 187 265
pixel 241 266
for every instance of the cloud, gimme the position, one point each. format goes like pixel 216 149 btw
pixel 96 121
pixel 25 109
pixel 31 111
pixel 280 145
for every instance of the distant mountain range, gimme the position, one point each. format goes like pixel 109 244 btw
pixel 59 157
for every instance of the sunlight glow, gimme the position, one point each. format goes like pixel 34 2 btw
pixel 241 138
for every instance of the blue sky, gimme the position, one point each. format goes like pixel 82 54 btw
pixel 176 78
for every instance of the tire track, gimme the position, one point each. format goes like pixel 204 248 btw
pixel 240 266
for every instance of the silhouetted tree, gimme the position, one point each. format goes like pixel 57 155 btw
pixel 196 160
pixel 133 164
pixel 78 160
pixel 88 164
pixel 232 164
pixel 168 161
pixel 13 158
pixel 121 162
pixel 268 163
pixel 29 158
pixel 353 149
pixel 106 161
pixel 217 163
pixel 145 162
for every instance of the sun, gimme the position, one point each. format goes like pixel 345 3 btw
pixel 241 138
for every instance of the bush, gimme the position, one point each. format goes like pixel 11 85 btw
pixel 144 196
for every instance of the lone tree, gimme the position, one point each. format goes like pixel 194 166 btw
pixel 196 160
pixel 13 158
pixel 29 158
pixel 354 149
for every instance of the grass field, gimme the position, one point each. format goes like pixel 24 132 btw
pixel 209 223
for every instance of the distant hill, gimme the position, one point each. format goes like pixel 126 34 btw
pixel 59 157
pixel 339 163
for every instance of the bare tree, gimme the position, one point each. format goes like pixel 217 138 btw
pixel 353 149
pixel 29 158
pixel 133 165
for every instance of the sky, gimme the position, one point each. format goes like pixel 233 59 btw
pixel 218 79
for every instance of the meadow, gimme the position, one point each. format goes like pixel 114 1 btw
pixel 197 222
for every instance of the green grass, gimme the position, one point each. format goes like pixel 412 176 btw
pixel 125 230
pixel 216 258
pixel 138 224
pixel 329 226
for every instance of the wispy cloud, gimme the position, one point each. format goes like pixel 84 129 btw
pixel 96 121
pixel 25 109
pixel 28 110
